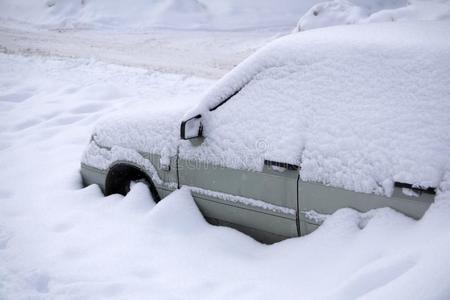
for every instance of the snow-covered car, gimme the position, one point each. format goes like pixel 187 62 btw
pixel 342 117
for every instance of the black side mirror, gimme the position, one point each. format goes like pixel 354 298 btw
pixel 191 128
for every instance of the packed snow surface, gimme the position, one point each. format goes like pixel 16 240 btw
pixel 344 12
pixel 61 241
pixel 200 53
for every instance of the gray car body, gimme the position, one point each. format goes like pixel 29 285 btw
pixel 270 205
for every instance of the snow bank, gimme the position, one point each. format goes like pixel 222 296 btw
pixel 343 12
pixel 141 14
pixel 357 107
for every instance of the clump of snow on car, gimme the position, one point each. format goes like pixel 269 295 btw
pixel 314 216
pixel 410 192
pixel 243 200
pixel 344 12
pixel 344 103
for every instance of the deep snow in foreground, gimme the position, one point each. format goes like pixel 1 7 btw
pixel 61 241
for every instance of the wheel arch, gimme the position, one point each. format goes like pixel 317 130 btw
pixel 119 175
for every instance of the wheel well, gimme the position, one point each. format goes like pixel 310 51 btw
pixel 119 176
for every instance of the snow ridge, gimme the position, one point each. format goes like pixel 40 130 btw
pixel 345 12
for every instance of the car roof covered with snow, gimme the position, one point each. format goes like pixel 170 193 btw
pixel 357 107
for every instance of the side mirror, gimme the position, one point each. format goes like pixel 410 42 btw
pixel 191 128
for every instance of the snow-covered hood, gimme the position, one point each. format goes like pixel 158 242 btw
pixel 156 131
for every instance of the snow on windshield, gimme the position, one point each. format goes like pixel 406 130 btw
pixel 357 107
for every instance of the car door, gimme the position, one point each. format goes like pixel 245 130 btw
pixel 263 204
pixel 231 180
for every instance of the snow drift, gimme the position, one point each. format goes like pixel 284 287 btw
pixel 344 12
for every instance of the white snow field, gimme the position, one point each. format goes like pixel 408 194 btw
pixel 59 240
